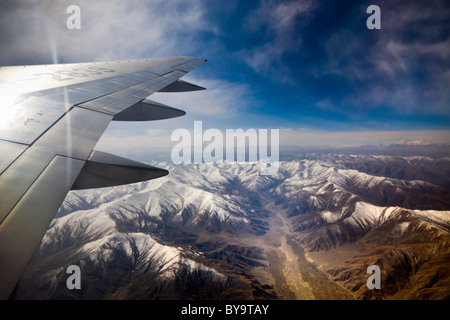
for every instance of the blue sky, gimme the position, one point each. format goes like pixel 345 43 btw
pixel 309 68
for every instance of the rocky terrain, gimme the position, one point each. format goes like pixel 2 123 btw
pixel 226 232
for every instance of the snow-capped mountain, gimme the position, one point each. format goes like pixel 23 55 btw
pixel 226 231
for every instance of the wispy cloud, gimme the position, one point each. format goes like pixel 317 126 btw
pixel 402 66
pixel 279 19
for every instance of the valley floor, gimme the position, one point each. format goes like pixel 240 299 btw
pixel 288 269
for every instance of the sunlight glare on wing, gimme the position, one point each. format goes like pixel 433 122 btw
pixel 7 112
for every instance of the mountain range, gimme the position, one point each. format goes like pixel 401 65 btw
pixel 224 231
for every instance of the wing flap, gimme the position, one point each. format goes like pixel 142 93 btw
pixel 107 170
pixel 9 151
pixel 23 229
pixel 74 135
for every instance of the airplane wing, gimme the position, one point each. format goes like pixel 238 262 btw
pixel 51 118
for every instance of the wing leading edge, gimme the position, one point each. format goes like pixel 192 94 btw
pixel 51 117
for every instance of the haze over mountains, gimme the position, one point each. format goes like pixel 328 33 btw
pixel 226 232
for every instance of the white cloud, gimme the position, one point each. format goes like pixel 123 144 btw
pixel 110 29
pixel 216 106
pixel 313 138
pixel 159 138
pixel 221 98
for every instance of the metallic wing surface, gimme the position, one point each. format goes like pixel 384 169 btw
pixel 51 118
